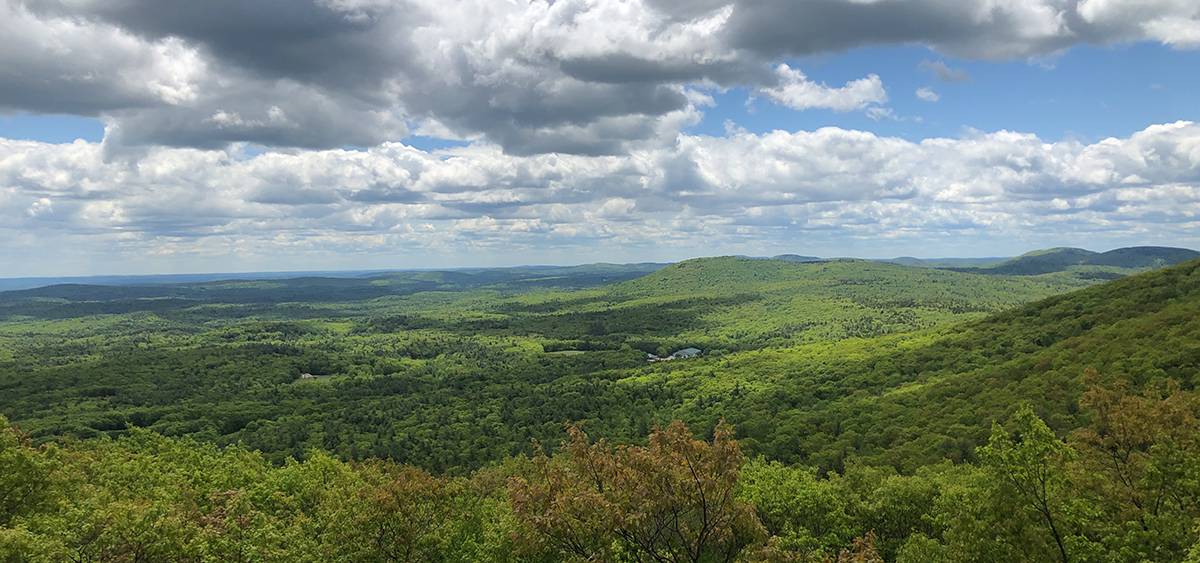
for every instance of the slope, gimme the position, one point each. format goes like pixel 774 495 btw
pixel 758 303
pixel 916 399
pixel 448 378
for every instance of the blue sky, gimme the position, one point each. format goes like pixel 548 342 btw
pixel 318 135
pixel 1085 93
pixel 51 128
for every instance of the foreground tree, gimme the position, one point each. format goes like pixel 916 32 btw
pixel 672 500
pixel 1027 458
pixel 1139 465
pixel 24 474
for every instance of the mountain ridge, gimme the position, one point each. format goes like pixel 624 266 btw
pixel 1050 260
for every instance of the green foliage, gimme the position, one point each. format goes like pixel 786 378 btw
pixel 672 500
pixel 1027 458
pixel 915 399
pixel 24 475
pixel 446 370
pixel 147 497
pixel 180 427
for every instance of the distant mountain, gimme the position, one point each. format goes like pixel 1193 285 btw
pixel 796 258
pixel 1052 260
pixel 164 285
pixel 946 262
pixel 775 296
pixel 70 299
pixel 13 284
pixel 1144 257
pixel 1043 261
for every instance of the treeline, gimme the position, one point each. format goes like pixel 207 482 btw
pixel 1125 487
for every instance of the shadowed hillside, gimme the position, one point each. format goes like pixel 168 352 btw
pixel 1061 259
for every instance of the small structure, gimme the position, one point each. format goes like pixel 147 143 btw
pixel 685 353
pixel 678 355
pixel 307 375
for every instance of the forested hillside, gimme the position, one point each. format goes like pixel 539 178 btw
pixel 444 379
pixel 916 399
pixel 1121 488
pixel 846 411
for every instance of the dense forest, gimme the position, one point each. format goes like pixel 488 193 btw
pixel 1123 487
pixel 840 410
pixel 458 376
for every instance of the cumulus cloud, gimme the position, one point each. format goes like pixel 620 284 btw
pixel 588 77
pixel 701 192
pixel 796 91
pixel 64 65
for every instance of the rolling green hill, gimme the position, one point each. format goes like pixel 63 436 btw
pixel 1061 259
pixel 451 377
pixel 863 395
pixel 946 262
pixel 916 399
pixel 875 446
pixel 735 303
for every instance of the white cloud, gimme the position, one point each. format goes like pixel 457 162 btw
pixel 827 186
pixel 927 95
pixel 65 65
pixel 1172 22
pixel 796 91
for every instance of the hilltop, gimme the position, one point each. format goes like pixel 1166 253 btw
pixel 743 303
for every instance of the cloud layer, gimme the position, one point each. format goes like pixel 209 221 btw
pixel 594 77
pixel 573 116
pixel 703 192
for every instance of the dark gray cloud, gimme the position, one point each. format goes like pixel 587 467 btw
pixel 69 66
pixel 569 76
pixel 778 28
pixel 311 41
pixel 279 113
pixel 964 28
pixel 629 68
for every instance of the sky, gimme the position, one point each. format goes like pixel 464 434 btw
pixel 173 136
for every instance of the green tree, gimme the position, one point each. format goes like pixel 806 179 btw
pixel 1028 459
pixel 1139 465
pixel 672 500
pixel 24 474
